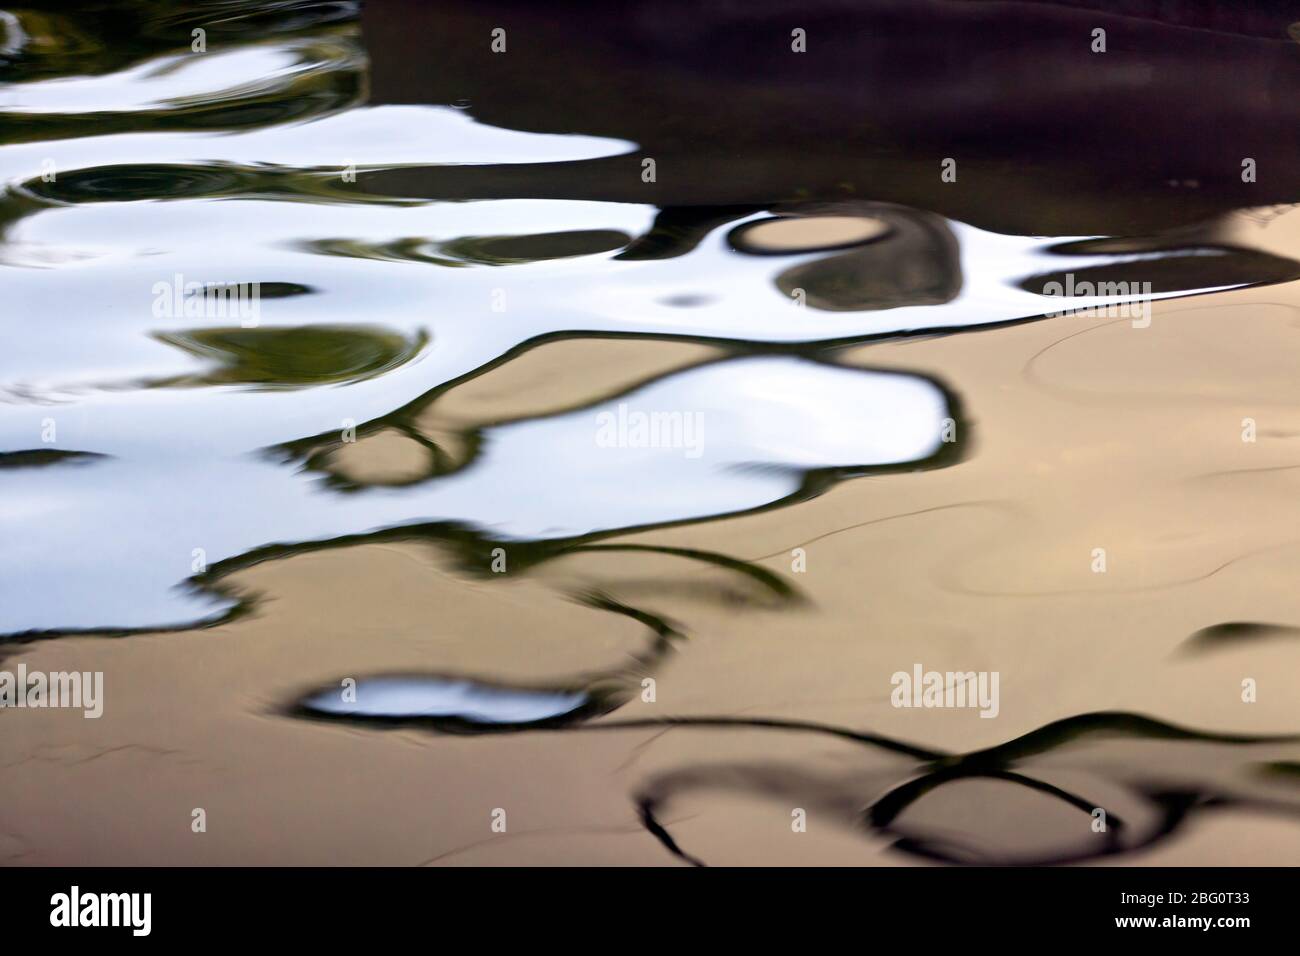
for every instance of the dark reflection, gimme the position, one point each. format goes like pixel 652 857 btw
pixel 472 552
pixel 478 250
pixel 1174 271
pixel 912 259
pixel 678 230
pixel 319 69
pixel 280 106
pixel 43 457
pixel 130 183
pixel 409 249
pixel 686 301
pixel 126 183
pixel 1141 807
pixel 1051 140
pixel 79 40
pixel 292 357
pixel 1233 634
pixel 511 250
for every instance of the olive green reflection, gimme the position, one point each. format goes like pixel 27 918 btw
pixel 512 250
pixel 292 357
pixel 1196 268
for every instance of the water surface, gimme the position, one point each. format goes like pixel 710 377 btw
pixel 363 386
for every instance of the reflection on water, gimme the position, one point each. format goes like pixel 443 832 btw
pixel 461 705
pixel 433 698
pixel 480 328
pixel 739 435
pixel 296 356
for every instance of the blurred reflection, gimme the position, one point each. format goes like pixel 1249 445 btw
pixel 1085 787
pixel 481 326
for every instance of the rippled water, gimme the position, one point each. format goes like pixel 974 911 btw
pixel 604 384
